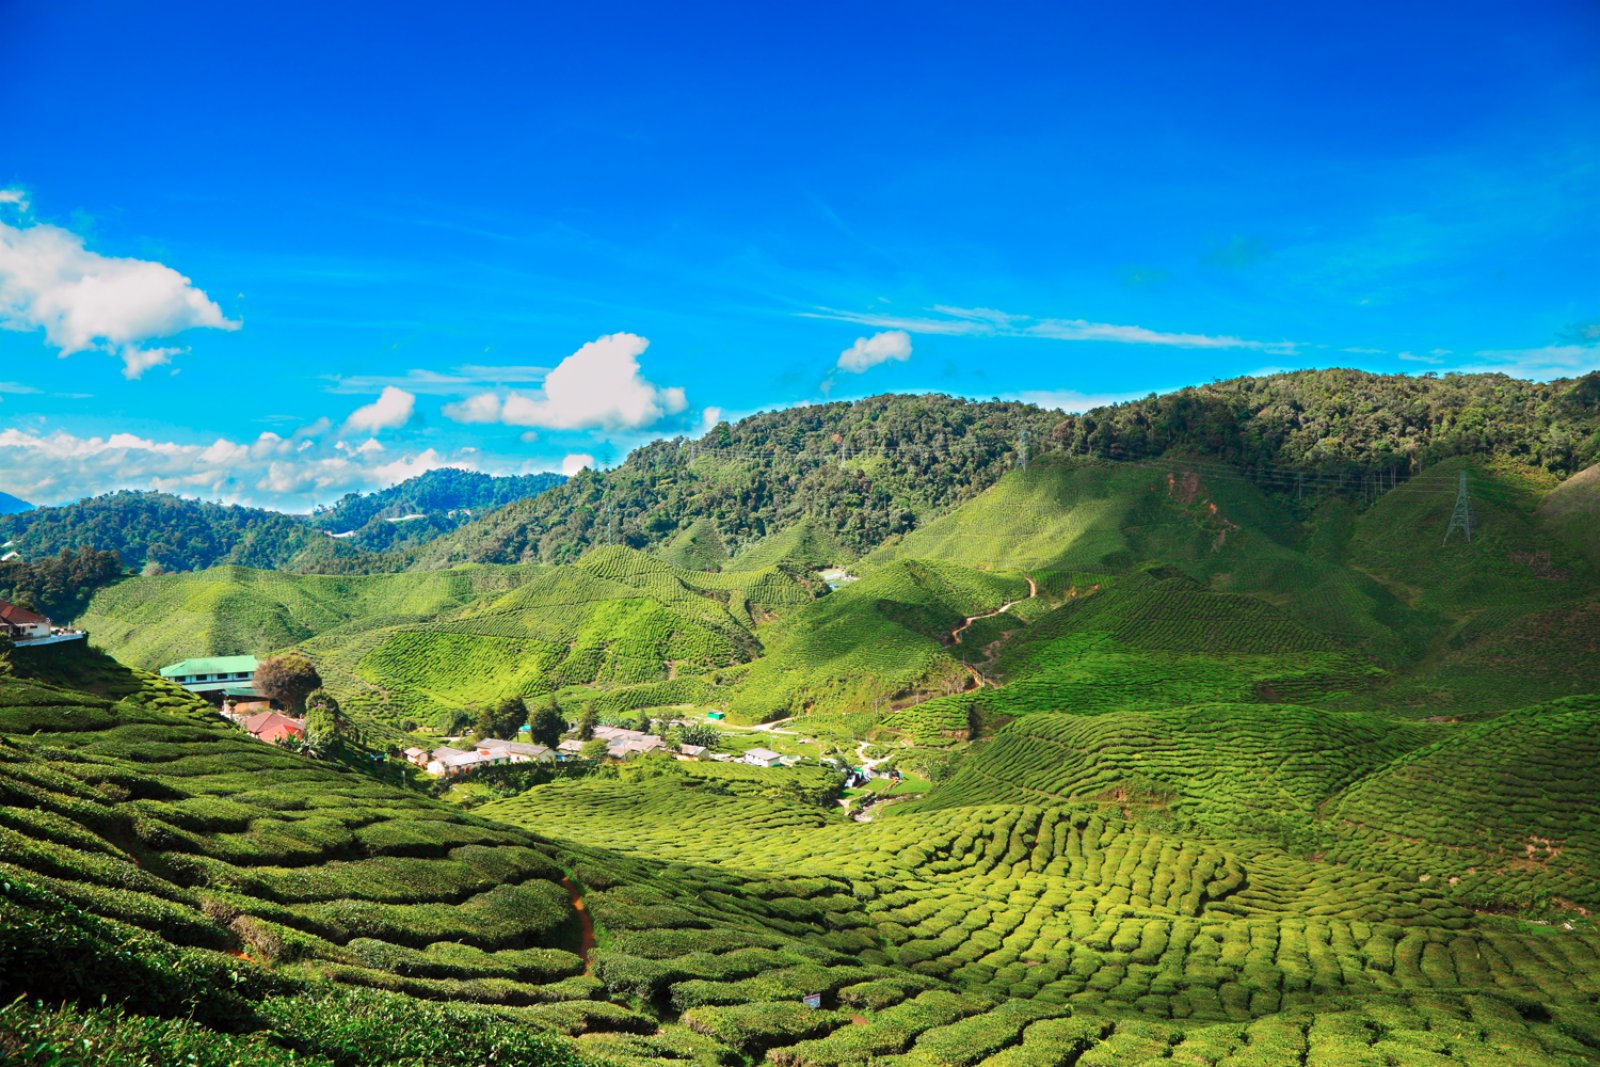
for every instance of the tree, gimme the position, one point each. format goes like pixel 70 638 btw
pixel 587 721
pixel 548 725
pixel 642 723
pixel 594 748
pixel 288 679
pixel 696 733
pixel 326 725
pixel 503 720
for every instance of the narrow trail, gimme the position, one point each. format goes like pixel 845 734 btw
pixel 1033 591
pixel 585 925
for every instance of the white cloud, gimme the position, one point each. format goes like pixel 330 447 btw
pixel 1416 357
pixel 288 472
pixel 597 387
pixel 390 411
pixel 84 301
pixel 462 378
pixel 890 345
pixel 987 322
pixel 574 462
pixel 136 360
pixel 1540 364
pixel 482 407
pixel 709 418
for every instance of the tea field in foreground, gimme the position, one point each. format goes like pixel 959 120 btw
pixel 1097 899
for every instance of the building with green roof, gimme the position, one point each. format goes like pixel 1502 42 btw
pixel 226 675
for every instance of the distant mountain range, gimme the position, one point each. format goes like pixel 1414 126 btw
pixel 362 531
pixel 11 505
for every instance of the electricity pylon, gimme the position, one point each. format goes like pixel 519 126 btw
pixel 1461 517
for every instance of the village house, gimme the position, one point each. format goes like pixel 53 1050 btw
pixel 692 751
pixel 762 757
pixel 516 751
pixel 218 678
pixel 22 624
pixel 26 627
pixel 272 726
pixel 450 762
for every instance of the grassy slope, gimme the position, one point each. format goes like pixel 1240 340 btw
pixel 870 641
pixel 620 626
pixel 1395 618
pixel 149 622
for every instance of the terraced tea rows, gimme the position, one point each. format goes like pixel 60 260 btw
pixel 1501 812
pixel 1218 765
pixel 1025 917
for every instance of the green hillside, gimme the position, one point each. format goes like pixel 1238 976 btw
pixel 151 621
pixel 1226 884
pixel 620 627
pixel 870 642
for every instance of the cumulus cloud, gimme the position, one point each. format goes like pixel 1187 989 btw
pixel 290 472
pixel 597 387
pixel 867 352
pixel 390 411
pixel 574 462
pixel 84 301
pixel 482 407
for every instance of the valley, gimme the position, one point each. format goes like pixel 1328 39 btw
pixel 1200 755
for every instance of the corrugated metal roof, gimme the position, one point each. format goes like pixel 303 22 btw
pixel 211 665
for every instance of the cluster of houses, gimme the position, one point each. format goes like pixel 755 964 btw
pixel 452 761
pixel 26 627
pixel 449 762
pixel 229 682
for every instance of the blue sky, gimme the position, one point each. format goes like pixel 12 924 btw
pixel 269 253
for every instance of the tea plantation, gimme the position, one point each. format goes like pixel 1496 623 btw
pixel 1206 770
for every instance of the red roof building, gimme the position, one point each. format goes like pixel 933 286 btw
pixel 22 623
pixel 273 726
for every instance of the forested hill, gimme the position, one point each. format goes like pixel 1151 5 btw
pixel 172 533
pixel 178 534
pixel 419 508
pixel 864 471
pixel 1349 425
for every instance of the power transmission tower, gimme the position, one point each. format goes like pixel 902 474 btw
pixel 1461 517
pixel 1022 449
